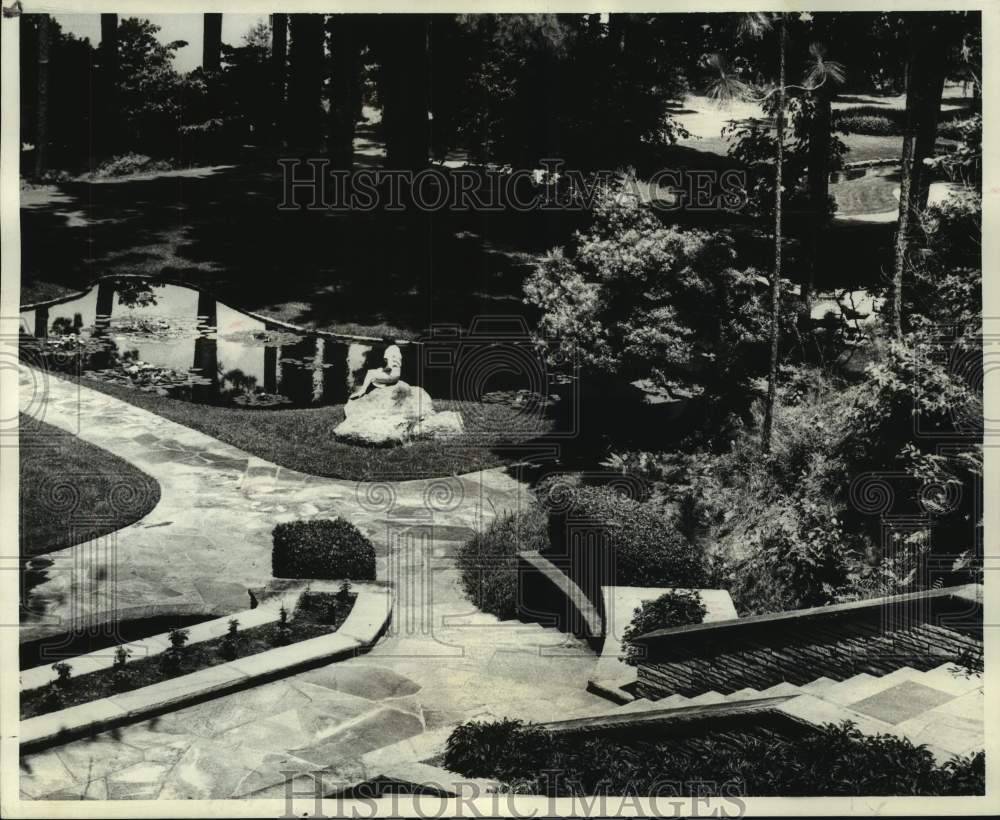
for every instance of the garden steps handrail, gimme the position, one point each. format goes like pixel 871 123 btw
pixel 733 630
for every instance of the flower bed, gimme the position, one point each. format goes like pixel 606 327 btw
pixel 316 614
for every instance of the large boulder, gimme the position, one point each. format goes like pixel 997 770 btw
pixel 395 415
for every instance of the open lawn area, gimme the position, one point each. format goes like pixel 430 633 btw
pixel 65 480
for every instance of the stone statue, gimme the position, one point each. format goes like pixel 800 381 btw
pixel 384 376
pixel 385 410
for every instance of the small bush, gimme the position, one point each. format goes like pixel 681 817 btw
pixel 63 671
pixel 322 549
pixel 488 562
pixel 676 608
pixel 647 549
pixel 507 749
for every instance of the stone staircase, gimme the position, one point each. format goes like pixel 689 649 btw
pixel 940 708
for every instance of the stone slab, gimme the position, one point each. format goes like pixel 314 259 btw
pixel 368 617
pixel 69 721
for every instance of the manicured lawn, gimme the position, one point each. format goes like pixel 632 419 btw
pixel 64 478
pixel 303 439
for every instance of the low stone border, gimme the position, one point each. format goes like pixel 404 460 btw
pixel 364 626
pixel 549 593
pixel 267 612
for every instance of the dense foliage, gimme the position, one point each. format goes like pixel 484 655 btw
pixel 645 301
pixel 834 760
pixel 633 544
pixel 488 561
pixel 322 548
pixel 679 607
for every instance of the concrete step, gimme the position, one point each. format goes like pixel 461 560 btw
pixel 643 705
pixel 744 694
pixel 670 702
pixel 818 686
pixel 783 688
pixel 850 690
pixel 951 678
pixel 705 698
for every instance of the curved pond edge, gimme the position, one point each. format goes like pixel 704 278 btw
pixel 260 317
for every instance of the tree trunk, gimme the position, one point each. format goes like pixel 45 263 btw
pixel 279 58
pixel 819 184
pixel 772 381
pixel 904 233
pixel 211 50
pixel 404 83
pixel 108 134
pixel 925 83
pixel 931 79
pixel 42 109
pixel 305 82
pixel 345 48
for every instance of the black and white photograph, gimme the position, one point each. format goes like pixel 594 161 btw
pixel 427 411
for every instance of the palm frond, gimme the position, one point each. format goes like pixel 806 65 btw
pixel 821 70
pixel 754 24
pixel 727 87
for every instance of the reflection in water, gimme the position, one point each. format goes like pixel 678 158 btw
pixel 181 342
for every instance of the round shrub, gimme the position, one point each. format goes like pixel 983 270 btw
pixel 676 608
pixel 505 749
pixel 647 549
pixel 322 549
pixel 488 562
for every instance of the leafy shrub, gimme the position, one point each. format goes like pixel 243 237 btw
pixel 641 300
pixel 488 561
pixel 832 760
pixel 63 671
pixel 127 164
pixel 675 608
pixel 322 549
pixel 507 749
pixel 646 549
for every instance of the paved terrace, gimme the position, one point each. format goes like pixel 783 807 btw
pixel 208 541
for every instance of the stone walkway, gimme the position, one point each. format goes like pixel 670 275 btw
pixel 208 541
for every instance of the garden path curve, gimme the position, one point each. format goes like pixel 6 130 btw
pixel 208 540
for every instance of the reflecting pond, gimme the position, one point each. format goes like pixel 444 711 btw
pixel 182 342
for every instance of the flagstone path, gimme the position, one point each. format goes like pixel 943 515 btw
pixel 208 541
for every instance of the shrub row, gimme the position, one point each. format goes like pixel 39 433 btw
pixel 833 760
pixel 877 121
pixel 322 549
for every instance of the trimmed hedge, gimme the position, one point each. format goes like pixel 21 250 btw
pixel 322 549
pixel 488 562
pixel 886 122
pixel 646 548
